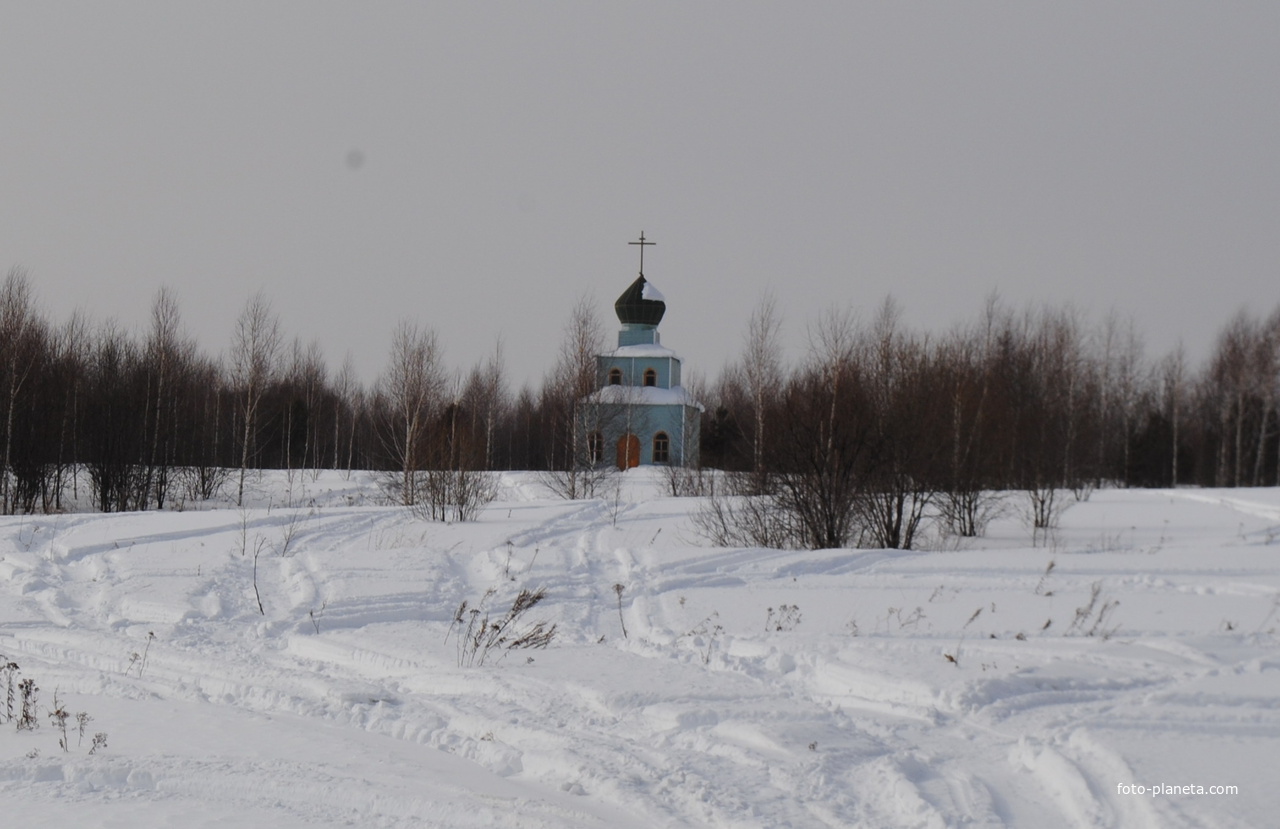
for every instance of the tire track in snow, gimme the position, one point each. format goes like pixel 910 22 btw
pixel 1244 506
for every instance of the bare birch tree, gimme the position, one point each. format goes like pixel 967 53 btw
pixel 165 356
pixel 567 393
pixel 1173 378
pixel 346 402
pixel 255 358
pixel 761 372
pixel 486 398
pixel 410 390
pixel 21 345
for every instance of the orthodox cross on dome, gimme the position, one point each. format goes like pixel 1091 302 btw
pixel 643 244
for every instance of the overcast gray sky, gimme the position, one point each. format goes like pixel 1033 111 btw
pixel 479 166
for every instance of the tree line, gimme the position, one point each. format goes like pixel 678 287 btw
pixel 880 427
pixel 872 429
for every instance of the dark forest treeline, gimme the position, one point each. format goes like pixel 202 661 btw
pixel 880 420
pixel 1013 401
pixel 880 428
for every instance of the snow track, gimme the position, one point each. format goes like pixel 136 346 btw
pixel 753 688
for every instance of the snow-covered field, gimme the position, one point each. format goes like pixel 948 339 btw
pixel 971 685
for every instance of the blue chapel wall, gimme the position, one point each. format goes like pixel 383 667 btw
pixel 633 368
pixel 665 419
pixel 646 421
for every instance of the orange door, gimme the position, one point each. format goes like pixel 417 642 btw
pixel 628 451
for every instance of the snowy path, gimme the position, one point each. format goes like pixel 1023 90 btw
pixel 753 688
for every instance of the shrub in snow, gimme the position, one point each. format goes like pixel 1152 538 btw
pixel 484 634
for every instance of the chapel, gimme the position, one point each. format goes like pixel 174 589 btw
pixel 640 414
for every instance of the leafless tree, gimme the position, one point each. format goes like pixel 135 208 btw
pixel 1119 381
pixel 486 397
pixel 729 519
pixel 1227 384
pixel 255 358
pixel 115 437
pixel 167 357
pixel 304 382
pixel 22 340
pixel 529 431
pixel 410 390
pixel 907 395
pixel 1272 383
pixel 347 401
pixel 574 415
pixel 204 470
pixel 761 372
pixel 970 499
pixel 824 449
pixel 1173 379
pixel 73 344
pixel 1265 386
pixel 687 478
pixel 455 486
pixel 1048 382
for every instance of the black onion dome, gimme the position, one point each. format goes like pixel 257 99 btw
pixel 634 309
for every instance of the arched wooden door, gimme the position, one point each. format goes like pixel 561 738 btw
pixel 628 451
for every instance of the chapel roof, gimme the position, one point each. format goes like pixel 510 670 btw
pixel 640 304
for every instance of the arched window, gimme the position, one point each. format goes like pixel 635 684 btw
pixel 661 448
pixel 595 447
pixel 615 377
pixel 650 377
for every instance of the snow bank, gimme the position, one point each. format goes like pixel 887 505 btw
pixel 970 685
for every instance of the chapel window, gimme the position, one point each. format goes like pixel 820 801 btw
pixel 661 448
